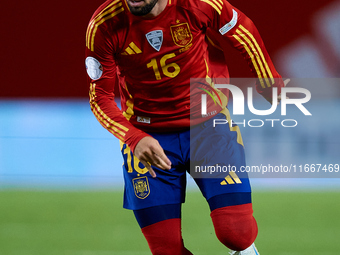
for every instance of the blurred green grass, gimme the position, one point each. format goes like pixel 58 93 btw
pixel 94 223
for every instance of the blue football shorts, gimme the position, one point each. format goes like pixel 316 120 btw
pixel 207 151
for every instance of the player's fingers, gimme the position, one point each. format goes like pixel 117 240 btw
pixel 286 81
pixel 162 162
pixel 162 158
pixel 155 160
pixel 148 166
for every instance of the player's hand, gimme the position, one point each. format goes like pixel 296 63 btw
pixel 270 100
pixel 150 153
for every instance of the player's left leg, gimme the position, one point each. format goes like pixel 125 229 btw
pixel 232 217
pixel 217 159
pixel 161 227
pixel 234 225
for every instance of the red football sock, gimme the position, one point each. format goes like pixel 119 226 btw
pixel 235 226
pixel 165 238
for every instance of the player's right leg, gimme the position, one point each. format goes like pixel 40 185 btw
pixel 156 202
pixel 161 226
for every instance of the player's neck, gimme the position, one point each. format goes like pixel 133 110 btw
pixel 157 9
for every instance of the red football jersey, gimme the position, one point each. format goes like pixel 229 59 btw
pixel 154 59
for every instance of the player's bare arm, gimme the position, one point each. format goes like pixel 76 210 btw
pixel 150 153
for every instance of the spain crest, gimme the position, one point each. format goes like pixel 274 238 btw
pixel 181 34
pixel 141 187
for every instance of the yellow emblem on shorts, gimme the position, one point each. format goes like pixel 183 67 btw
pixel 181 34
pixel 141 187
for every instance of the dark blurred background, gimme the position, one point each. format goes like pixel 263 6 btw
pixel 43 42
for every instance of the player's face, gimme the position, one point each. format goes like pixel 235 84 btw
pixel 141 7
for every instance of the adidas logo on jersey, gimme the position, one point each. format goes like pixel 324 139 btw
pixel 132 49
pixel 232 178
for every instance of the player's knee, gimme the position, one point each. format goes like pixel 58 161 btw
pixel 238 239
pixel 235 226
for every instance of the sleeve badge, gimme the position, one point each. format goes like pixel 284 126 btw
pixel 93 68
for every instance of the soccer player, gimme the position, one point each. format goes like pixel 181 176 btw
pixel 151 49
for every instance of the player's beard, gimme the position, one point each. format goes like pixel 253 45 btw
pixel 144 10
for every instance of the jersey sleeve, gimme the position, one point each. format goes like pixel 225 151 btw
pixel 102 77
pixel 228 25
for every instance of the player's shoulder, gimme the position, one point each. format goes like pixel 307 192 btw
pixel 109 11
pixel 106 20
pixel 201 6
pixel 188 4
